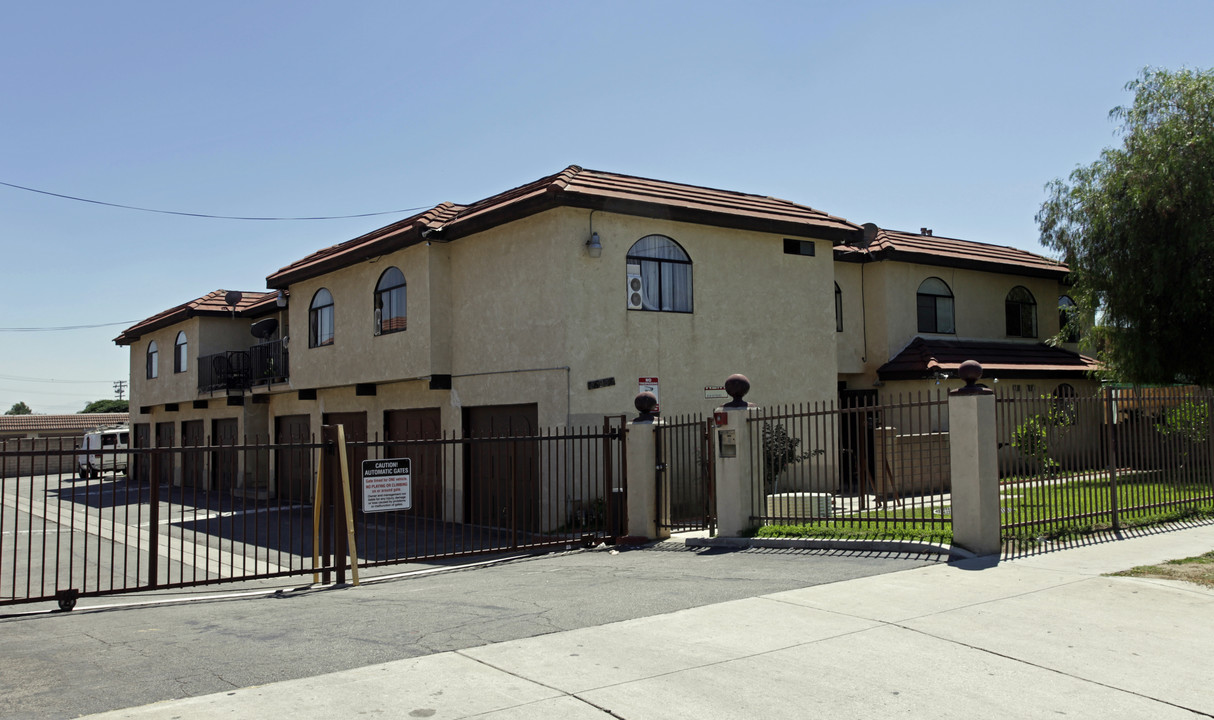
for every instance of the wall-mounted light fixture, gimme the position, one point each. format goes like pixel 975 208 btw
pixel 281 300
pixel 594 248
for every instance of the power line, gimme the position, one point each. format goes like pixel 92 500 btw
pixel 26 391
pixel 205 215
pixel 21 378
pixel 65 327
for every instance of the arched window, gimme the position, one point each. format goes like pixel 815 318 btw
pixel 1066 315
pixel 1021 311
pixel 1065 403
pixel 153 360
pixel 659 275
pixel 320 319
pixel 838 309
pixel 180 350
pixel 390 313
pixel 935 307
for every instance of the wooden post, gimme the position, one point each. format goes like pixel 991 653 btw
pixel 349 510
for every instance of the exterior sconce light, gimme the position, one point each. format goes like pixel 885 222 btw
pixel 594 248
pixel 281 300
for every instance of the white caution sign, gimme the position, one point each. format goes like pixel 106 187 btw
pixel 387 485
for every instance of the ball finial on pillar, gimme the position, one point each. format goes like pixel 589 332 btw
pixel 645 403
pixel 737 386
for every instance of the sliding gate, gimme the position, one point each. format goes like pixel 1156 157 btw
pixel 215 512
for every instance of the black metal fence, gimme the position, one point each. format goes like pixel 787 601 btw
pixel 686 486
pixel 1125 457
pixel 862 466
pixel 213 513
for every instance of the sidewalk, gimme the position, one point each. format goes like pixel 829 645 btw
pixel 1024 638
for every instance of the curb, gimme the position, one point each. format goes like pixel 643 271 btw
pixel 952 552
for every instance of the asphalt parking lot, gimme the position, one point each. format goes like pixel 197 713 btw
pixel 123 651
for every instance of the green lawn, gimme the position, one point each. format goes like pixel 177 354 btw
pixel 1033 511
pixel 1056 509
pixel 896 523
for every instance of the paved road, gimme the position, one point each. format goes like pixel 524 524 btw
pixel 59 665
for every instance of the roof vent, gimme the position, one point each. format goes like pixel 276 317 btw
pixel 925 231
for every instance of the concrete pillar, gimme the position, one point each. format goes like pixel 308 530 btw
pixel 973 451
pixel 643 470
pixel 734 468
pixel 642 479
pixel 735 475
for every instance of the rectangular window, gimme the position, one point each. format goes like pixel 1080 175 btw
pixel 799 247
pixel 935 314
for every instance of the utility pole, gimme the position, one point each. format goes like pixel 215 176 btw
pixel 119 388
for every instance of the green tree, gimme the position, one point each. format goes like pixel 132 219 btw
pixel 1190 421
pixel 780 451
pixel 106 406
pixel 1136 228
pixel 19 408
pixel 1034 435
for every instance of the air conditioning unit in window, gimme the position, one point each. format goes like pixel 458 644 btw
pixel 634 288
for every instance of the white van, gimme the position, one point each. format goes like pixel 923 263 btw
pixel 92 463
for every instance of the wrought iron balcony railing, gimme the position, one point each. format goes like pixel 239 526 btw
pixel 239 370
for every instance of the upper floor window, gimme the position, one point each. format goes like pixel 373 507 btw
pixel 838 309
pixel 320 319
pixel 659 275
pixel 1066 316
pixel 390 315
pixel 935 307
pixel 1021 311
pixel 153 360
pixel 180 350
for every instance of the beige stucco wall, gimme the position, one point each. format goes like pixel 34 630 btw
pixel 757 311
pixel 978 300
pixel 168 386
pixel 850 344
pixel 890 310
pixel 357 355
pixel 205 336
pixel 520 313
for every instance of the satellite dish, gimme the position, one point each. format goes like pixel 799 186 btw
pixel 233 298
pixel 264 328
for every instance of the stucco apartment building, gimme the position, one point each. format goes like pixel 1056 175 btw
pixel 545 305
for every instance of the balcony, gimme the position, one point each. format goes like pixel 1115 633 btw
pixel 239 370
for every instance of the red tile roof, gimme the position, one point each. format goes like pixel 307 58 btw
pixel 923 357
pixel 251 304
pixel 951 252
pixel 59 424
pixel 577 187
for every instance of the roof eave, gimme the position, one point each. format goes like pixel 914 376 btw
pixel 988 373
pixel 396 240
pixel 1059 273
pixel 837 232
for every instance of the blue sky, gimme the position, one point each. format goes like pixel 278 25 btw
pixel 948 115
